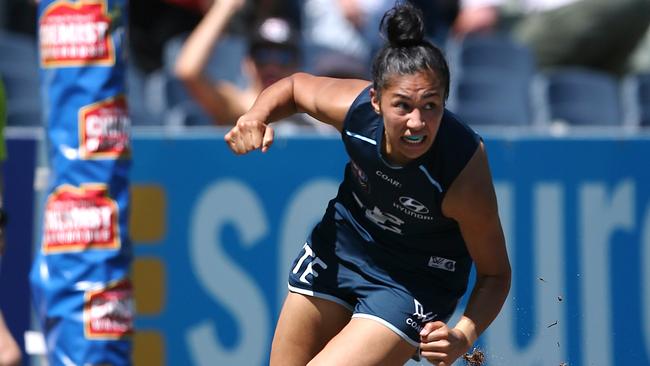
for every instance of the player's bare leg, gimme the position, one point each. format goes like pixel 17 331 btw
pixel 365 342
pixel 305 326
pixel 9 351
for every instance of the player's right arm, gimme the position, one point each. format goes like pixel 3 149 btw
pixel 326 99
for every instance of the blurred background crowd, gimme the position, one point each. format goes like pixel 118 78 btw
pixel 546 64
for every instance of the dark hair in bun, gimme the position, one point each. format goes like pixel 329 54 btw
pixel 406 51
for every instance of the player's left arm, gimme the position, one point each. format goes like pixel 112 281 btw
pixel 471 201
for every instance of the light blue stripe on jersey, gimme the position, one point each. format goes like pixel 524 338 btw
pixel 362 138
pixel 342 211
pixel 433 181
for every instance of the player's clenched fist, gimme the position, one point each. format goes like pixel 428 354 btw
pixel 249 134
pixel 442 345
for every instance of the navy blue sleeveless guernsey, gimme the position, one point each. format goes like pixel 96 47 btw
pixel 386 229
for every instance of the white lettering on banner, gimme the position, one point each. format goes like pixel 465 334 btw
pixel 601 214
pixel 79 218
pixel 304 210
pixel 108 125
pixel 77 33
pixel 70 33
pixel 228 202
pixel 645 280
pixel 548 264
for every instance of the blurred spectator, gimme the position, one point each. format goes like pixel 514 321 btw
pixel 18 16
pixel 640 60
pixel 341 26
pixel 600 34
pixel 273 53
pixel 153 23
pixel 440 16
pixel 349 27
pixel 9 351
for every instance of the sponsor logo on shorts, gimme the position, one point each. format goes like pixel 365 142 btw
pixel 413 208
pixel 394 182
pixel 78 219
pixel 77 34
pixel 442 263
pixel 419 317
pixel 108 312
pixel 104 129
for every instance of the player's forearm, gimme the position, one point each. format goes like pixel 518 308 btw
pixel 484 305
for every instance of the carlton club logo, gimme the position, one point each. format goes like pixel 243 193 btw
pixel 360 176
pixel 78 219
pixel 104 129
pixel 108 312
pixel 76 34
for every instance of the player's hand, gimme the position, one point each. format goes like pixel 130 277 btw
pixel 442 345
pixel 250 133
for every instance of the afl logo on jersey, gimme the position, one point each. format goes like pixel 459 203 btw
pixel 360 175
pixel 413 205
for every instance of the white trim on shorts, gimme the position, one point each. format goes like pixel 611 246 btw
pixel 321 295
pixel 389 326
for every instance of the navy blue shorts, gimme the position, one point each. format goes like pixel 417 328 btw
pixel 340 264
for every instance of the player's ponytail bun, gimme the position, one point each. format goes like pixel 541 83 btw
pixel 403 26
pixel 406 50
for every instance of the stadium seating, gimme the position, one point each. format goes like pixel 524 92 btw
pixel 25 113
pixel 582 97
pixel 162 92
pixel 636 99
pixel 644 99
pixel 187 113
pixel 17 50
pixel 19 74
pixel 494 82
pixel 494 52
pixel 488 97
pixel 491 81
pixel 138 107
pixel 21 84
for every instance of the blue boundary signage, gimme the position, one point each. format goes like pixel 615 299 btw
pixel 576 213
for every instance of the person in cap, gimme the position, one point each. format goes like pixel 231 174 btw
pixel 273 54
